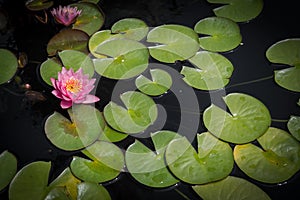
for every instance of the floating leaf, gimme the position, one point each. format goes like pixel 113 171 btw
pixel 140 112
pixel 214 160
pixel 124 58
pixel 112 135
pixel 8 168
pixel 68 39
pixel 106 164
pixel 248 119
pixel 83 130
pixel 30 182
pixel 294 126
pixel 8 65
pixel 276 161
pixel 91 18
pixel 172 43
pixel 131 28
pixel 238 11
pixel 161 82
pixel 286 52
pixel 223 34
pixel 92 191
pixel 57 193
pixel 213 71
pixel 149 167
pixel 49 69
pixel 230 188
pixel 37 5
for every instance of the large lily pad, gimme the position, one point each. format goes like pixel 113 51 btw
pixel 172 43
pixel 161 82
pixel 107 160
pixel 212 71
pixel 248 119
pixel 8 65
pixel 139 113
pixel 222 34
pixel 276 161
pixel 92 191
pixel 286 52
pixel 83 129
pixel 238 10
pixel 8 168
pixel 230 188
pixel 149 167
pixel 214 160
pixel 294 126
pixel 124 58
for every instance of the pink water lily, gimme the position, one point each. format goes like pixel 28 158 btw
pixel 73 87
pixel 65 15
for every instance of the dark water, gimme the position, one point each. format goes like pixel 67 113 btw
pixel 22 116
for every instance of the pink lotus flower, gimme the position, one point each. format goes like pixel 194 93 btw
pixel 73 87
pixel 65 15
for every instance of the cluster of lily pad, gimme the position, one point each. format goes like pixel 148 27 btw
pixel 123 53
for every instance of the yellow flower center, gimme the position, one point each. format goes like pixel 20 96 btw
pixel 73 85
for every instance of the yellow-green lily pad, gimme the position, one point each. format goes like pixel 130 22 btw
pixel 8 65
pixel 294 126
pixel 8 168
pixel 92 191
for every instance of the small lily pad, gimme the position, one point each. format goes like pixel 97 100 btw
pixel 212 71
pixel 139 113
pixel 149 167
pixel 172 43
pixel 107 160
pixel 232 188
pixel 286 52
pixel 248 119
pixel 222 34
pixel 83 130
pixel 238 11
pixel 161 82
pixel 8 65
pixel 276 161
pixel 37 5
pixel 8 168
pixel 294 126
pixel 92 191
pixel 214 160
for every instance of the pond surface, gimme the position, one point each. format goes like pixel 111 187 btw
pixel 22 115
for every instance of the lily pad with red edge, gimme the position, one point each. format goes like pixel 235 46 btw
pixel 212 71
pixel 172 42
pixel 105 163
pixel 212 161
pixel 286 52
pixel 238 10
pixel 247 119
pixel 68 39
pixel 275 161
pixel 37 5
pixel 8 168
pixel 232 188
pixel 82 130
pixel 139 113
pixel 220 34
pixel 148 167
pixel 8 65
pixel 294 126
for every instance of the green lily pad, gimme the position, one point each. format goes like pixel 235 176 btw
pixel 37 5
pixel 222 34
pixel 139 113
pixel 91 18
pixel 214 160
pixel 172 43
pixel 286 52
pixel 107 160
pixel 69 59
pixel 30 182
pixel 92 191
pixel 276 161
pixel 8 168
pixel 131 28
pixel 238 10
pixel 248 119
pixel 149 167
pixel 57 193
pixel 294 126
pixel 8 65
pixel 232 188
pixel 212 71
pixel 112 135
pixel 124 58
pixel 161 82
pixel 83 129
